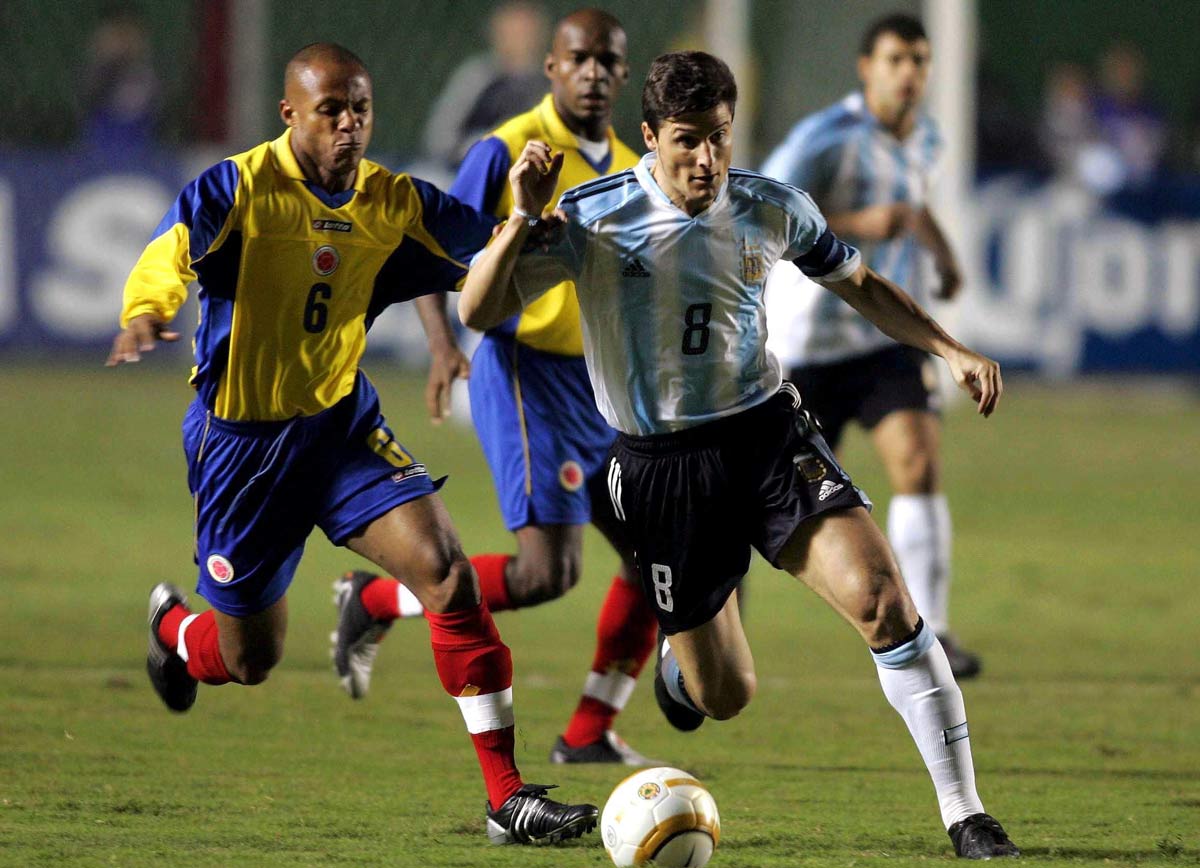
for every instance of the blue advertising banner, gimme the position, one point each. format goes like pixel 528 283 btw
pixel 1065 283
pixel 71 226
pixel 1058 282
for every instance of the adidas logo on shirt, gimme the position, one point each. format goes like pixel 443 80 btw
pixel 829 488
pixel 634 268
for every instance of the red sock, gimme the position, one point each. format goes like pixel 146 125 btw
pixel 168 627
pixel 204 661
pixel 492 583
pixel 625 635
pixel 381 598
pixel 475 667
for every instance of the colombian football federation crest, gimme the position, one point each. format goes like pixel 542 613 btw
pixel 570 476
pixel 326 260
pixel 754 267
pixel 220 569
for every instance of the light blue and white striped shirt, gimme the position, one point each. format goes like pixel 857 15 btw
pixel 847 161
pixel 674 328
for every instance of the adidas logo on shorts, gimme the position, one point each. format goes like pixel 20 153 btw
pixel 634 268
pixel 829 488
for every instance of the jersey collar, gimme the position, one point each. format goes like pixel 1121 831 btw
pixel 558 136
pixel 289 166
pixel 644 172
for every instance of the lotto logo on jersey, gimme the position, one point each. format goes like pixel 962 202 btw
pixel 326 260
pixel 570 476
pixel 220 569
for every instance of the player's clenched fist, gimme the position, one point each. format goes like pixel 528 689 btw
pixel 534 177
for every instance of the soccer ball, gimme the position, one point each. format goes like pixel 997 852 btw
pixel 662 815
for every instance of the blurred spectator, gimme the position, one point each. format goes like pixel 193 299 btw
pixel 1126 119
pixel 121 90
pixel 1068 124
pixel 488 88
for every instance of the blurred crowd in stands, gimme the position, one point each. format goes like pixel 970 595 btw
pixel 1098 128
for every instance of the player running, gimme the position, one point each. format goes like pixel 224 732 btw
pixel 867 161
pixel 297 245
pixel 535 413
pixel 714 454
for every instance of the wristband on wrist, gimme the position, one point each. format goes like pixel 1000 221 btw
pixel 531 220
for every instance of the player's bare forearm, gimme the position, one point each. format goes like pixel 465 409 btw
pixel 447 362
pixel 929 234
pixel 489 297
pixel 434 320
pixel 895 313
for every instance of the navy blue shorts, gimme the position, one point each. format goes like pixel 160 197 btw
pixel 536 417
pixel 867 388
pixel 261 487
pixel 698 500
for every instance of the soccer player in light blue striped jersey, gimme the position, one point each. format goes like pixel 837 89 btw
pixel 714 454
pixel 868 162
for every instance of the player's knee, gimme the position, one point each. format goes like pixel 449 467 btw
pixel 546 578
pixel 916 472
pixel 881 606
pixel 730 696
pixel 451 583
pixel 253 664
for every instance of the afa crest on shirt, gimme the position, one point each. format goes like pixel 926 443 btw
pixel 754 266
pixel 326 260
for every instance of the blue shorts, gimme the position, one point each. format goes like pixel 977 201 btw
pixel 536 417
pixel 261 487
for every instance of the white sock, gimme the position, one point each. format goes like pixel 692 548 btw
pixel 410 606
pixel 917 681
pixel 919 530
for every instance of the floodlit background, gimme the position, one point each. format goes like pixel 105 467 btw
pixel 1071 189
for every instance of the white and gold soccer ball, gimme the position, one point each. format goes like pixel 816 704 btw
pixel 662 816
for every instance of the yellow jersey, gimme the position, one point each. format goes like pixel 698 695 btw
pixel 551 323
pixel 290 277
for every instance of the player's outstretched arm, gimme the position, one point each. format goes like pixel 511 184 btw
pixel 447 362
pixel 489 296
pixel 139 336
pixel 895 313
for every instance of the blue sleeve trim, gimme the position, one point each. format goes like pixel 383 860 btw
pixel 481 177
pixel 462 230
pixel 203 207
pixel 826 256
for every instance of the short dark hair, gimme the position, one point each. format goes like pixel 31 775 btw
pixel 683 82
pixel 907 27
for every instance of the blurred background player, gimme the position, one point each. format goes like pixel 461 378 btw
pixel 714 455
pixel 534 410
pixel 297 245
pixel 490 87
pixel 867 161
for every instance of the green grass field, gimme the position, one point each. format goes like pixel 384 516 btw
pixel 1076 575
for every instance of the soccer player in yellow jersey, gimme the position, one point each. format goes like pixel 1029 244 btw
pixel 533 406
pixel 296 247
